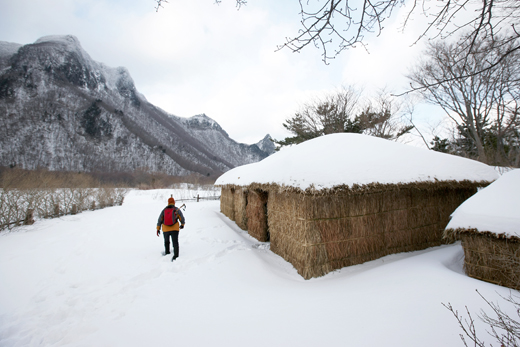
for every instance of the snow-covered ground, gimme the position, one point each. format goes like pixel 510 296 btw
pixel 98 279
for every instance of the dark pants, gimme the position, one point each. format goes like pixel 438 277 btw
pixel 175 242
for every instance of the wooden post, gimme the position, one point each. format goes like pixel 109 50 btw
pixel 74 209
pixel 197 197
pixel 56 210
pixel 29 217
pixel 93 206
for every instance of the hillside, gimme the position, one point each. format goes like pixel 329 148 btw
pixel 61 110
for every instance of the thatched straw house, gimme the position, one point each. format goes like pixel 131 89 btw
pixel 344 199
pixel 489 225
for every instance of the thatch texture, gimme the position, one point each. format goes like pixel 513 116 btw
pixel 240 204
pixel 227 202
pixel 321 233
pixel 491 258
pixel 256 211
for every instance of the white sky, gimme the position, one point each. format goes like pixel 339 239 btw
pixel 196 57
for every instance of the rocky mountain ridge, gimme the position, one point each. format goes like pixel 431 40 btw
pixel 61 110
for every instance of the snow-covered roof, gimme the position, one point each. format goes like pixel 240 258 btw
pixel 353 159
pixel 494 209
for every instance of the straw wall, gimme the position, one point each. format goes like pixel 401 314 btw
pixel 321 233
pixel 492 259
pixel 240 204
pixel 227 202
pixel 257 215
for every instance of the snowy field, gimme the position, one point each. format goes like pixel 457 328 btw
pixel 98 279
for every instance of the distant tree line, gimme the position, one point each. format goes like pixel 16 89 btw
pixel 29 194
pixel 142 178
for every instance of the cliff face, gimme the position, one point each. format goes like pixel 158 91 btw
pixel 61 110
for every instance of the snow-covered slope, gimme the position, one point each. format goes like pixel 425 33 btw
pixel 495 208
pixel 98 279
pixel 64 111
pixel 267 145
pixel 348 159
pixel 218 141
pixel 7 50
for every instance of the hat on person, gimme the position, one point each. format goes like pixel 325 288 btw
pixel 171 201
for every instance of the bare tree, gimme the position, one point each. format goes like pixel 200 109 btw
pixel 334 113
pixel 503 328
pixel 335 25
pixel 159 4
pixel 481 101
pixel 343 112
pixel 382 117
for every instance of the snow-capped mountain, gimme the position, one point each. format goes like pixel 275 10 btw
pixel 61 110
pixel 201 126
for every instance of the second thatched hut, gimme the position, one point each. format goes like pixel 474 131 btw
pixel 344 199
pixel 489 226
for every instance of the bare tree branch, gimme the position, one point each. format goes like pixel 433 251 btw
pixel 159 4
pixel 336 25
pixel 480 99
pixel 504 329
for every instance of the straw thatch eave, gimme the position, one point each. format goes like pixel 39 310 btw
pixel 455 234
pixel 357 189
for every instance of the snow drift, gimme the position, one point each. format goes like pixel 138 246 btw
pixel 98 279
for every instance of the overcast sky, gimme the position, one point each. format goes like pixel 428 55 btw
pixel 194 56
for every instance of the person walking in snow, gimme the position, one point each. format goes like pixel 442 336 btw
pixel 169 221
